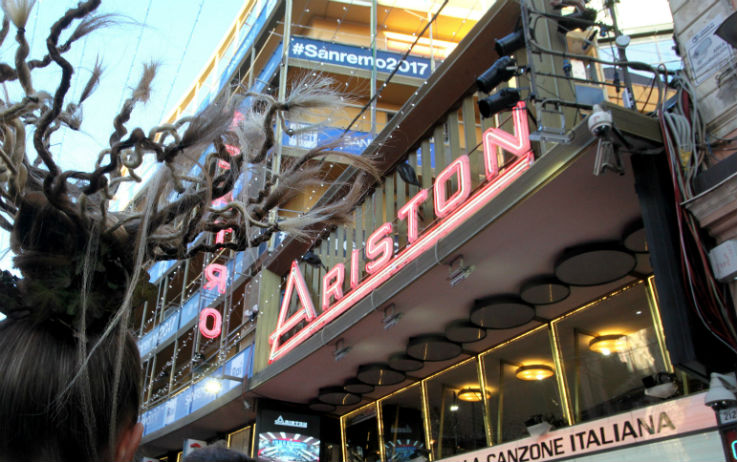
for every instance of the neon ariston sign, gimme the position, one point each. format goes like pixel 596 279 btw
pixel 452 207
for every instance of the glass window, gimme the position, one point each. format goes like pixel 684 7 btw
pixel 402 424
pixel 522 375
pixel 240 440
pixel 456 411
pixel 612 357
pixel 362 442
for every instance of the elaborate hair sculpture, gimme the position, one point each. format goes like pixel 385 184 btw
pixel 81 262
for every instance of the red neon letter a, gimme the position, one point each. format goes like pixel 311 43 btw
pixel 306 312
pixel 517 144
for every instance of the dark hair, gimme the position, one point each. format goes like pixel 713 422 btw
pixel 46 411
pixel 216 454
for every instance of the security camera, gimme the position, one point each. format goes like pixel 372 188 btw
pixel 600 121
pixel 722 392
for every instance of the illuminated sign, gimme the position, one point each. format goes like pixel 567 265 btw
pixel 665 420
pixel 210 313
pixel 290 423
pixel 453 204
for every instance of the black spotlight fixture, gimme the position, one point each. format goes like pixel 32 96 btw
pixel 506 98
pixel 510 43
pixel 501 71
pixel 580 19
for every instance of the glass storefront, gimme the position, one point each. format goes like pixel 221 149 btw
pixel 598 360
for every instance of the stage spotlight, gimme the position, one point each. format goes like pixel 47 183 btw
pixel 501 71
pixel 506 98
pixel 580 19
pixel 510 43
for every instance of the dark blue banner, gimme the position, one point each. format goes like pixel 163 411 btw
pixel 358 57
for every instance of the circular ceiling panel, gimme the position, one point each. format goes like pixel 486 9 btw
pixel 463 331
pixel 337 396
pixel 379 374
pixel 634 237
pixel 432 347
pixel 405 363
pixel 594 264
pixel 544 290
pixel 357 386
pixel 319 406
pixel 501 312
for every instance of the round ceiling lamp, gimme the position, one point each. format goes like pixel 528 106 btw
pixel 534 372
pixel 501 312
pixel 472 394
pixel 594 264
pixel 463 331
pixel 432 347
pixel 357 386
pixel 634 237
pixel 405 363
pixel 379 374
pixel 544 290
pixel 337 396
pixel 608 344
pixel 319 406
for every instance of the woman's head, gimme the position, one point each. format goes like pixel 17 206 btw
pixel 50 412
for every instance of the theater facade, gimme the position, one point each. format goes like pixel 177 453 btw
pixel 496 297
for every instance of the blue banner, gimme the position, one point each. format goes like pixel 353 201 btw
pixel 354 142
pixel 168 327
pixel 358 57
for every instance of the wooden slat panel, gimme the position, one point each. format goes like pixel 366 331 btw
pixel 269 289
pixel 470 140
pixel 426 180
pixel 442 158
pixel 377 208
pixel 341 244
pixel 401 196
pixel 389 198
pixel 453 127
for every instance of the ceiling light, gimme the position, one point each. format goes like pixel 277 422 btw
pixel 534 372
pixel 472 394
pixel 212 386
pixel 608 344
pixel 506 98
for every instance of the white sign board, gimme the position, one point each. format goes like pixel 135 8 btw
pixel 190 445
pixel 657 422
pixel 707 52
